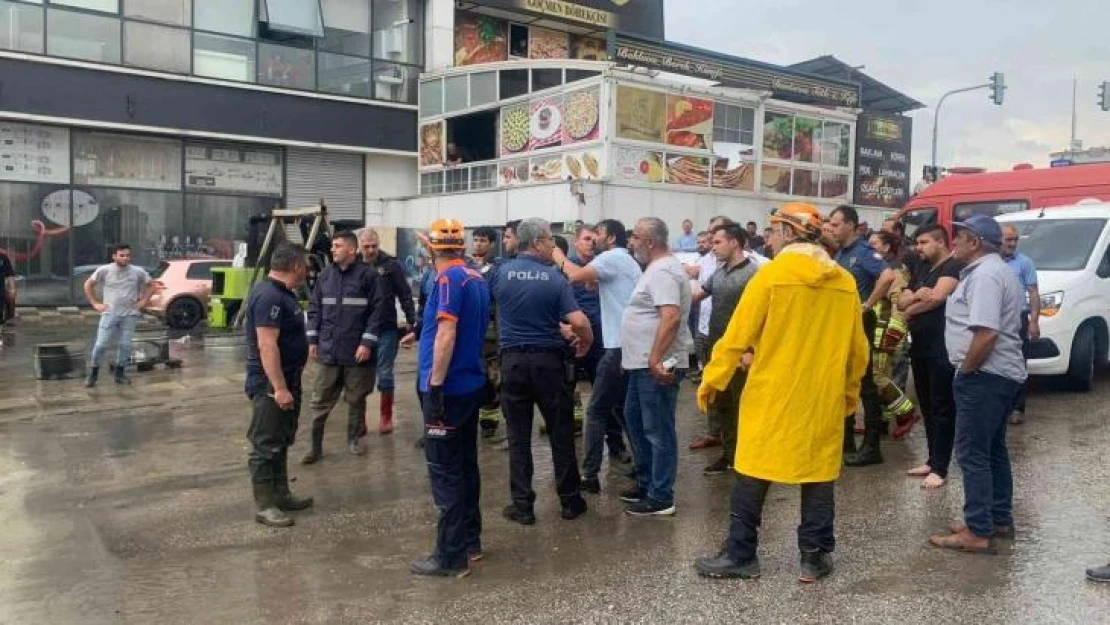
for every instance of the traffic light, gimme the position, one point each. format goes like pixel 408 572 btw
pixel 998 87
pixel 1104 96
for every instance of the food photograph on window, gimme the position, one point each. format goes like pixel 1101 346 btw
pixel 582 116
pixel 480 39
pixel 688 170
pixel 641 114
pixel 689 122
pixel 431 144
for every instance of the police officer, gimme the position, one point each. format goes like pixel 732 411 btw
pixel 276 353
pixel 536 367
pixel 343 319
pixel 451 378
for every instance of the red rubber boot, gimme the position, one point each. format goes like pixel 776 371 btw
pixel 385 425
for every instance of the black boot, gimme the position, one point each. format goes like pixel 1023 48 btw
pixel 815 565
pixel 849 435
pixel 869 453
pixel 265 497
pixel 722 566
pixel 90 380
pixel 317 451
pixel 285 499
pixel 121 376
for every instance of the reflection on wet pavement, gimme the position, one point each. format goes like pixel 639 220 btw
pixel 131 504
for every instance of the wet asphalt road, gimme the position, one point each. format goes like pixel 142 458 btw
pixel 132 505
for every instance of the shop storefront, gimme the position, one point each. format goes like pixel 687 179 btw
pixel 68 195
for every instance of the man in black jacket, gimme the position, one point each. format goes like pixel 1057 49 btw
pixel 392 286
pixel 343 321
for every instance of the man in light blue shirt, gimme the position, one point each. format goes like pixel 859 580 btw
pixel 1026 273
pixel 615 272
pixel 688 242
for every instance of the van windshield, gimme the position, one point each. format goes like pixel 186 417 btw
pixel 1058 244
pixel 916 219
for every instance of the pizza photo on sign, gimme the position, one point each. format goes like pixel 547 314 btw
pixel 582 116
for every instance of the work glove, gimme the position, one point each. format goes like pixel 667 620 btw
pixel 433 405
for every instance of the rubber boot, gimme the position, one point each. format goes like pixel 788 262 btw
pixel 265 496
pixel 285 499
pixel 849 435
pixel 90 380
pixel 385 424
pixel 121 376
pixel 313 456
pixel 869 453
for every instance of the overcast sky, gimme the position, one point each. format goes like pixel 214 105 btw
pixel 926 48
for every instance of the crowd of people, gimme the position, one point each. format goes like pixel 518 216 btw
pixel 499 336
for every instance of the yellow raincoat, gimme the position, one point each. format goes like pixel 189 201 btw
pixel 801 316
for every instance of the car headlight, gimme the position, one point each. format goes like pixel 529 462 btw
pixel 1051 302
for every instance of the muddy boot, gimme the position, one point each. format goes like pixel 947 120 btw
pixel 121 376
pixel 90 380
pixel 385 424
pixel 313 456
pixel 849 435
pixel 268 512
pixel 285 499
pixel 869 453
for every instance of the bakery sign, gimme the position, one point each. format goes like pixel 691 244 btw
pixel 642 17
pixel 733 72
pixel 882 160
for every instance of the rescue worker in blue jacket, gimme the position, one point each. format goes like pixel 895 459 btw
pixel 451 377
pixel 343 318
pixel 533 299
pixel 277 350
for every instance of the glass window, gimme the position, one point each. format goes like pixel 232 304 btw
pixel 228 168
pixel 149 221
pixel 395 83
pixel 234 17
pixel 431 98
pixel 482 177
pixel 806 133
pixel 805 182
pixel 203 270
pixel 546 78
pixel 917 219
pixel 108 6
pixel 431 183
pixel 456 180
pixel 223 57
pixel 216 222
pixel 344 75
pixel 834 185
pixel 44 272
pixel 778 136
pixel 580 74
pixel 455 93
pixel 775 179
pixel 1059 244
pixel 113 160
pixel 82 36
pixel 21 27
pixel 513 82
pixel 991 209
pixel 346 26
pixel 836 144
pixel 733 124
pixel 156 47
pixel 176 12
pixel 301 17
pixel 398 31
pixel 286 67
pixel 483 88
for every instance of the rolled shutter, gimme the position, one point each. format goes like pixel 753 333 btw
pixel 337 177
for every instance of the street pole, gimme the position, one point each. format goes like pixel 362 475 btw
pixel 936 117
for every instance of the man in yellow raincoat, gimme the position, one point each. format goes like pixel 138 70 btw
pixel 798 331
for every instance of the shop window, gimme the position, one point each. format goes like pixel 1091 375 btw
pixel 283 66
pixel 175 12
pixel 834 185
pixel 513 83
pixel 398 31
pixel 775 179
pixel 226 168
pixel 483 177
pixel 474 136
pixel 301 17
pixel 806 133
pixel 836 144
pixel 805 182
pixel 214 223
pixel 456 180
pixel 156 47
pixel 107 6
pixel 39 254
pixel 431 98
pixel 21 27
pixel 395 83
pixel 734 125
pixel 232 17
pixel 229 58
pixel 344 75
pixel 546 78
pixel 431 183
pixel 778 136
pixel 574 75
pixel 82 36
pixel 455 92
pixel 112 160
pixel 483 88
pixel 346 27
pixel 518 41
pixel 150 222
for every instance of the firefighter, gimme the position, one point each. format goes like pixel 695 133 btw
pixel 343 318
pixel 490 414
pixel 451 378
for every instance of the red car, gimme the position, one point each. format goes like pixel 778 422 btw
pixel 183 288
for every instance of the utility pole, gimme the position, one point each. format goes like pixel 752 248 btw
pixel 1074 115
pixel 997 87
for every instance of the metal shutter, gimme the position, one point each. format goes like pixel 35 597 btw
pixel 337 177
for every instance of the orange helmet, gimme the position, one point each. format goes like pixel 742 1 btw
pixel 803 217
pixel 445 235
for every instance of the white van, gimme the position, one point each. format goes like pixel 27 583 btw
pixel 1069 247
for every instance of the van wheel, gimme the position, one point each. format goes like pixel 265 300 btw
pixel 1081 367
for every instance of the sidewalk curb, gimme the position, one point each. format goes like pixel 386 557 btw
pixel 65 314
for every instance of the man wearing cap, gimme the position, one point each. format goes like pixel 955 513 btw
pixel 982 325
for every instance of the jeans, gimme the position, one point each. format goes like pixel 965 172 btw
pixel 451 450
pixel 983 403
pixel 385 355
pixel 746 514
pixel 122 327
pixel 932 376
pixel 605 412
pixel 649 412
